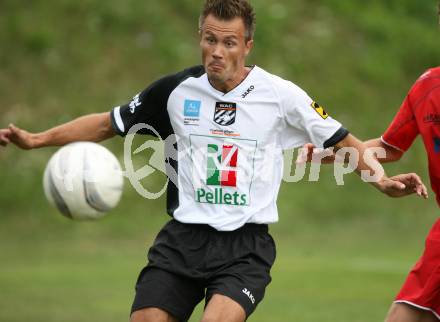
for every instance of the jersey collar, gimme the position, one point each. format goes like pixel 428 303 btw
pixel 239 85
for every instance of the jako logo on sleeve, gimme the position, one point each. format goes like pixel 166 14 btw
pixel 134 103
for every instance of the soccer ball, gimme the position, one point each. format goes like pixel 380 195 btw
pixel 83 180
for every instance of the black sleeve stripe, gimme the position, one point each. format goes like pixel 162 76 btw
pixel 336 138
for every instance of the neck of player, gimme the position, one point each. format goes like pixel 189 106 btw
pixel 230 84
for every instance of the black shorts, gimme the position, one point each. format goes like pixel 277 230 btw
pixel 189 262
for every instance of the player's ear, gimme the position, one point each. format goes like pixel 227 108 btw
pixel 249 46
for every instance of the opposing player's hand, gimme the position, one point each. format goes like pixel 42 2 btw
pixel 309 153
pixel 306 154
pixel 403 185
pixel 413 184
pixel 4 137
pixel 19 137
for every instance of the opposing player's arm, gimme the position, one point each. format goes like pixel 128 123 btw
pixel 92 127
pixel 391 154
pixel 397 186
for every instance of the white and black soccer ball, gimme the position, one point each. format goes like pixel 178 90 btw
pixel 83 180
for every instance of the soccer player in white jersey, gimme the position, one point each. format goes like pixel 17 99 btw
pixel 225 119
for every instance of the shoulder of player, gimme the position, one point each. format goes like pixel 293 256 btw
pixel 281 86
pixel 426 86
pixel 431 76
pixel 166 84
pixel 176 78
pixel 427 83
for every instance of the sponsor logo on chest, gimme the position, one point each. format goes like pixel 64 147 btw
pixel 222 169
pixel 191 112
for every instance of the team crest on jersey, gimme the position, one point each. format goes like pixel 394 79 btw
pixel 320 110
pixel 225 113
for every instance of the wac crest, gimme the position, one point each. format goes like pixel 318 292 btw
pixel 225 113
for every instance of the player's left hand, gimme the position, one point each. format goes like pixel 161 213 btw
pixel 403 185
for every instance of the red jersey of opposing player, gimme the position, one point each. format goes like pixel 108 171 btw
pixel 420 114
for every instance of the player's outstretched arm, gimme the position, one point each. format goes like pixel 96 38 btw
pixel 391 154
pixel 93 127
pixel 310 153
pixel 397 186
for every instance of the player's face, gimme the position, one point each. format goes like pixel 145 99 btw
pixel 224 50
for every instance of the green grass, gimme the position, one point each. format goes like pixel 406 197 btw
pixel 343 251
pixel 73 271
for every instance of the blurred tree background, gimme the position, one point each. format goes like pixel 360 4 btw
pixel 343 251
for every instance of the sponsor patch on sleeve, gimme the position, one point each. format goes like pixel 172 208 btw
pixel 319 109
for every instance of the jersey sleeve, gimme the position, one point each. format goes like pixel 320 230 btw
pixel 308 122
pixel 403 129
pixel 149 107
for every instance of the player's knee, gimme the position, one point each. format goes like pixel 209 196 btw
pixel 151 315
pixel 210 319
pixel 213 317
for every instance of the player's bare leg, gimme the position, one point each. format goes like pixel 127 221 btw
pixel 223 309
pixel 401 312
pixel 152 315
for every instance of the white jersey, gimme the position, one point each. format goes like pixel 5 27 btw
pixel 229 160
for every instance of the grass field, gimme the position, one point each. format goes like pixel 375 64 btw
pixel 328 268
pixel 78 272
pixel 83 272
pixel 343 251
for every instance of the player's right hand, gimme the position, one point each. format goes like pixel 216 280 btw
pixel 4 137
pixel 17 136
